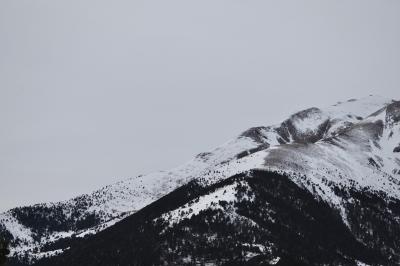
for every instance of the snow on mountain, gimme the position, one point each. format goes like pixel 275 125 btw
pixel 357 154
pixel 348 144
pixel 105 206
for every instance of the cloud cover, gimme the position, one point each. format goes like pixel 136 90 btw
pixel 95 91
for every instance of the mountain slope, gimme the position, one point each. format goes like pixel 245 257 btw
pixel 257 218
pixel 343 157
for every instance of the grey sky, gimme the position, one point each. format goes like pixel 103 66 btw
pixel 95 91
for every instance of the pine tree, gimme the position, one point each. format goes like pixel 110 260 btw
pixel 3 251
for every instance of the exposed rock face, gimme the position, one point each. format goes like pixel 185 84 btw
pixel 256 134
pixel 306 126
pixel 397 149
pixel 393 112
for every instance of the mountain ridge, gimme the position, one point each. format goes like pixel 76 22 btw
pixel 362 132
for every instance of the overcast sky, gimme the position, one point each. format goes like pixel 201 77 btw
pixel 92 92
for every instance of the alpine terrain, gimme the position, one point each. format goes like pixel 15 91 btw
pixel 320 188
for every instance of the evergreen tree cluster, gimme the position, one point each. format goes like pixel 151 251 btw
pixel 4 251
pixel 271 219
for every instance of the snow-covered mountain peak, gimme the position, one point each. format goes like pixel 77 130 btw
pixel 313 124
pixel 350 144
pixel 360 107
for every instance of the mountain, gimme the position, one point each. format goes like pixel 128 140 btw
pixel 320 188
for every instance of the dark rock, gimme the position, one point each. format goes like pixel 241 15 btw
pixel 393 112
pixel 397 149
pixel 255 133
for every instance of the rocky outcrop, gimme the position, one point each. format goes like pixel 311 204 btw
pixel 393 112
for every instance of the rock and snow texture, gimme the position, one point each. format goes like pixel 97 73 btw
pixel 350 144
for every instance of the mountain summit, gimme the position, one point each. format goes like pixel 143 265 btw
pixel 320 188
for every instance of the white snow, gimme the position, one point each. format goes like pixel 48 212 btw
pixel 345 162
pixel 209 201
pixel 311 122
